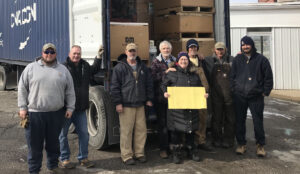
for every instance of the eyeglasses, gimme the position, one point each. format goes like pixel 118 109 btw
pixel 47 52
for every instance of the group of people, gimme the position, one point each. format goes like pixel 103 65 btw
pixel 53 96
pixel 232 86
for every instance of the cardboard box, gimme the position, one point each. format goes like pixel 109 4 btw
pixel 123 33
pixel 200 23
pixel 206 46
pixel 163 4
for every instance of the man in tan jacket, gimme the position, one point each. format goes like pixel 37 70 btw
pixel 192 48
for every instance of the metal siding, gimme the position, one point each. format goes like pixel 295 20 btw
pixel 51 25
pixel 286 58
pixel 295 72
pixel 236 35
pixel 219 21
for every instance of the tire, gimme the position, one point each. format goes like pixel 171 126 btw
pixel 97 122
pixel 2 78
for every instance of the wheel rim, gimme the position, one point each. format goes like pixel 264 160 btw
pixel 93 119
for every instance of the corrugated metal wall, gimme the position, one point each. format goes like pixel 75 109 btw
pixel 26 25
pixel 286 62
pixel 235 36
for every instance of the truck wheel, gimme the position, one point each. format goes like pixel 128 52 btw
pixel 97 124
pixel 2 78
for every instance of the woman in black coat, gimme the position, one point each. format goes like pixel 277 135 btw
pixel 182 122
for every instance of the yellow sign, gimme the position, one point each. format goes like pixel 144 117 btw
pixel 186 98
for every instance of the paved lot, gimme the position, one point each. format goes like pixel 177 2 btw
pixel 282 120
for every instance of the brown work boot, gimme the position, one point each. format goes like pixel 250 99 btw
pixel 55 170
pixel 163 154
pixel 66 164
pixel 241 149
pixel 260 151
pixel 86 163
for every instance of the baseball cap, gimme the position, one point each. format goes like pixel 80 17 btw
pixel 220 45
pixel 131 46
pixel 49 45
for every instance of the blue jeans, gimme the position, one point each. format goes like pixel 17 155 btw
pixel 80 122
pixel 43 127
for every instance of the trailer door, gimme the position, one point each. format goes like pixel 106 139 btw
pixel 86 26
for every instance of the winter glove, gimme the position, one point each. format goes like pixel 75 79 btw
pixel 100 52
pixel 24 122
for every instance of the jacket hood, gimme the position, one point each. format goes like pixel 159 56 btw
pixel 249 41
pixel 39 61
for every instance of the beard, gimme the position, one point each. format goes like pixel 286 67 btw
pixel 48 62
pixel 247 51
pixel 132 57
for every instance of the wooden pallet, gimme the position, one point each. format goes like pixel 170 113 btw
pixel 185 9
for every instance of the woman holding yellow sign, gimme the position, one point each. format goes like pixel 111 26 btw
pixel 182 122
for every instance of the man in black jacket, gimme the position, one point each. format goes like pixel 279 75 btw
pixel 131 89
pixel 81 73
pixel 251 81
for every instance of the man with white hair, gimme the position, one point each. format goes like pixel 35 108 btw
pixel 159 68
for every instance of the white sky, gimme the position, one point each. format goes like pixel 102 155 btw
pixel 243 1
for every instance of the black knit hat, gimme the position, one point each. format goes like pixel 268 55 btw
pixel 192 42
pixel 181 54
pixel 248 41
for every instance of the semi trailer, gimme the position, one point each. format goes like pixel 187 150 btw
pixel 26 25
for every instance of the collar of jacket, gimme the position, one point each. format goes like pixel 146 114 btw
pixel 252 56
pixel 189 69
pixel 69 62
pixel 225 58
pixel 159 58
pixel 39 61
pixel 124 60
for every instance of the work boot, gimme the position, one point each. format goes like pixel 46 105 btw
pixel 86 163
pixel 217 143
pixel 177 154
pixel 163 154
pixel 66 164
pixel 55 170
pixel 193 153
pixel 227 145
pixel 205 147
pixel 141 159
pixel 241 149
pixel 129 162
pixel 260 151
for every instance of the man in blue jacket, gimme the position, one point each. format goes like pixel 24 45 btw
pixel 251 81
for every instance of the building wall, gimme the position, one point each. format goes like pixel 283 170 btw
pixel 235 36
pixel 286 61
pixel 284 24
